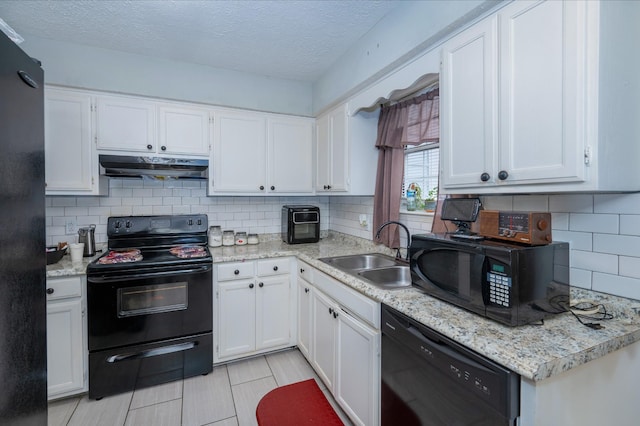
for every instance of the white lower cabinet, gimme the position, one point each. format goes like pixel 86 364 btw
pixel 66 337
pixel 344 349
pixel 253 308
pixel 305 292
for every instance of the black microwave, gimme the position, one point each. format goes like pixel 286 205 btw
pixel 511 284
pixel 300 224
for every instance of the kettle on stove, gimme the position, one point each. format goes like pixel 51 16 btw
pixel 87 236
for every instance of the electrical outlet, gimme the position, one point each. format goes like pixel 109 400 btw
pixel 71 227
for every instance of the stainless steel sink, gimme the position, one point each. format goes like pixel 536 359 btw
pixel 388 278
pixel 360 261
pixel 377 269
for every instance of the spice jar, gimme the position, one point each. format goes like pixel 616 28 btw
pixel 228 238
pixel 252 239
pixel 215 236
pixel 241 238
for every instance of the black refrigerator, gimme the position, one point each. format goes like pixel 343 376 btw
pixel 23 316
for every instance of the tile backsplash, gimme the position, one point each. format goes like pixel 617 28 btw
pixel 603 229
pixel 260 215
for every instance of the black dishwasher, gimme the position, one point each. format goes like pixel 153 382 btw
pixel 428 379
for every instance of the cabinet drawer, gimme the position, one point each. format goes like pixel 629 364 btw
pixel 276 266
pixel 354 302
pixel 235 271
pixel 61 288
pixel 305 272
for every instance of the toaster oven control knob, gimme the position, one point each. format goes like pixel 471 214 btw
pixel 485 177
pixel 542 224
pixel 149 147
pixel 236 272
pixel 503 175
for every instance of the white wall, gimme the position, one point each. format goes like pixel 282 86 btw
pixel 260 215
pixel 397 38
pixel 75 65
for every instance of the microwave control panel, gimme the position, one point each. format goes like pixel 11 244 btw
pixel 499 285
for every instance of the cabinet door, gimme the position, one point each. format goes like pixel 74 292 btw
pixel 290 155
pixel 65 365
pixel 332 151
pixel 184 130
pixel 239 153
pixel 236 317
pixel 69 159
pixel 126 124
pixel 541 78
pixel 273 312
pixel 358 369
pixel 323 153
pixel 304 318
pixel 323 341
pixel 468 106
pixel 339 150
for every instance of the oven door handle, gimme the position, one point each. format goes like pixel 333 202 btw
pixel 152 352
pixel 149 274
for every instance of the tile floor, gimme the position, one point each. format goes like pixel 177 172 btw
pixel 226 397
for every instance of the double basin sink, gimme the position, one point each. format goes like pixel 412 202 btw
pixel 377 269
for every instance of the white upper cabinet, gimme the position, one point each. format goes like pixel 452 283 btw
pixel 536 99
pixel 126 124
pixel 257 153
pixel 239 153
pixel 184 129
pixel 134 125
pixel 332 151
pixel 71 166
pixel 346 157
pixel 290 157
pixel 468 85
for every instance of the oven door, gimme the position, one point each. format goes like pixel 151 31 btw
pixel 133 308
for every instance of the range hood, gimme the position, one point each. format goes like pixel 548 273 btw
pixel 153 167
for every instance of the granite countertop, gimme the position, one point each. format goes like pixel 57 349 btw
pixel 533 351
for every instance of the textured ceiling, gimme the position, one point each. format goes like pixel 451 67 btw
pixel 286 39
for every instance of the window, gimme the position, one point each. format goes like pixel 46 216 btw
pixel 421 165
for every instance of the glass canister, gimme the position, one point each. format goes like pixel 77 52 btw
pixel 241 238
pixel 411 201
pixel 252 239
pixel 215 236
pixel 228 238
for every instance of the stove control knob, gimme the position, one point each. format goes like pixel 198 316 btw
pixel 50 290
pixel 236 272
pixel 275 268
pixel 199 222
pixel 251 285
pixel 190 222
pixel 116 225
pixel 127 224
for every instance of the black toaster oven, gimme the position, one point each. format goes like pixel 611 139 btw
pixel 300 224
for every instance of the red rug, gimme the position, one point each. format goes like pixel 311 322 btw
pixel 301 403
